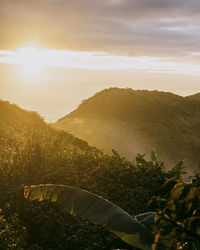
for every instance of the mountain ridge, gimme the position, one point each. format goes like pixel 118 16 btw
pixel 163 121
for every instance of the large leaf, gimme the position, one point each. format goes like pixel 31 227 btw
pixel 146 219
pixel 95 209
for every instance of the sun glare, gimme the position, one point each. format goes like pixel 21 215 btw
pixel 30 59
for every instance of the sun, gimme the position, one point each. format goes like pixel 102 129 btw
pixel 30 59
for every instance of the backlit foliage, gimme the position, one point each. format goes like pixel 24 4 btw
pixel 32 152
pixel 177 221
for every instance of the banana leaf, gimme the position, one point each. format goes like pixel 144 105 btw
pixel 95 209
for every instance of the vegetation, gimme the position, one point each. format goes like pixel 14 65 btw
pixel 133 121
pixel 174 225
pixel 177 222
pixel 95 209
pixel 40 154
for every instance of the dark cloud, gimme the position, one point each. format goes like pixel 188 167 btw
pixel 133 27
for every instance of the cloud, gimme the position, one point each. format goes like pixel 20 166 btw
pixel 126 27
pixel 32 59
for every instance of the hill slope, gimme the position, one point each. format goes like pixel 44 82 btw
pixel 134 122
pixel 14 120
pixel 194 97
pixel 18 125
pixel 32 152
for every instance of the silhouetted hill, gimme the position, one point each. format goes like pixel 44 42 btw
pixel 16 123
pixel 14 120
pixel 194 97
pixel 136 121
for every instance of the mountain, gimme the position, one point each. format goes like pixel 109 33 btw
pixel 137 121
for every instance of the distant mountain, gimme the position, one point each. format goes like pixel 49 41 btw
pixel 137 121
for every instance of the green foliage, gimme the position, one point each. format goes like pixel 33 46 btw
pixel 153 156
pixel 94 208
pixel 175 224
pixel 49 156
pixel 150 172
pixel 36 153
pixel 177 171
pixel 196 180
pixel 177 219
pixel 12 234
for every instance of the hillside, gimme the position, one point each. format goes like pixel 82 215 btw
pixel 194 97
pixel 132 121
pixel 14 120
pixel 32 152
pixel 16 123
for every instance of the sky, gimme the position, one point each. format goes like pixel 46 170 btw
pixel 55 53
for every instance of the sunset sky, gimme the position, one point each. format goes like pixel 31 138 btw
pixel 55 53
